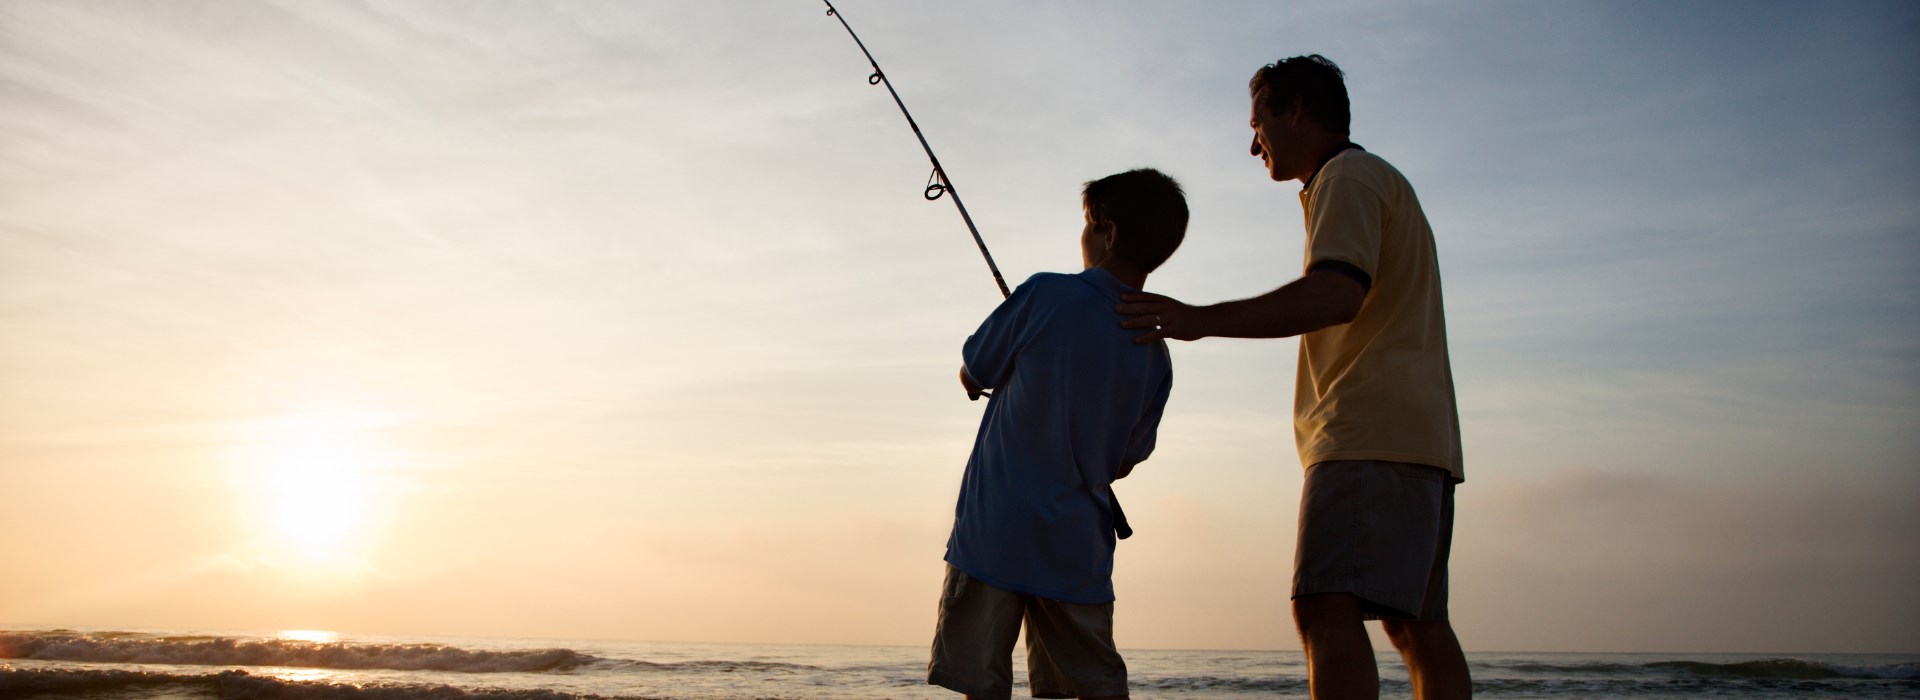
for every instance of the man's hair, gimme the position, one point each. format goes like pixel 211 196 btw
pixel 1147 208
pixel 1313 80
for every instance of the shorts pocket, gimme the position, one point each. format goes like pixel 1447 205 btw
pixel 955 585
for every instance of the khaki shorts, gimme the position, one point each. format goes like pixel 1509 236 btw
pixel 1070 650
pixel 1380 531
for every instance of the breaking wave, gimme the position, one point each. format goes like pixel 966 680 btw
pixel 237 685
pixel 1790 669
pixel 1763 669
pixel 1219 684
pixel 123 647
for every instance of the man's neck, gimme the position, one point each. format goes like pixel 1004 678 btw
pixel 1325 146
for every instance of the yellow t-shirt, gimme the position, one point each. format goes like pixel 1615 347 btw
pixel 1379 387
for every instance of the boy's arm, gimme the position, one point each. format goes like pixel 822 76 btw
pixel 1145 433
pixel 974 391
pixel 987 356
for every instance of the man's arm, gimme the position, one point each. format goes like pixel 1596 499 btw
pixel 1322 298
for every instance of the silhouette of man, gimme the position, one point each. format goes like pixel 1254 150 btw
pixel 1374 414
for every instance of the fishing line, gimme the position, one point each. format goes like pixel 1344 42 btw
pixel 937 182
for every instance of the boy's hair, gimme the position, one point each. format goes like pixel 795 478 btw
pixel 1315 81
pixel 1147 208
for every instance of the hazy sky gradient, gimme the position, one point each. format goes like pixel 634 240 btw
pixel 614 319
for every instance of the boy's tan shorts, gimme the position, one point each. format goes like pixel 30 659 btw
pixel 1070 650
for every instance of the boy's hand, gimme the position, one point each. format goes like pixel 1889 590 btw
pixel 1164 317
pixel 974 392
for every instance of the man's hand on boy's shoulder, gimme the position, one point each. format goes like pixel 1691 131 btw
pixel 1162 316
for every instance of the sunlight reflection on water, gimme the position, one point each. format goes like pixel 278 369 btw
pixel 315 636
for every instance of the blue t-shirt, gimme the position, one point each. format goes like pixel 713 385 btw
pixel 1074 401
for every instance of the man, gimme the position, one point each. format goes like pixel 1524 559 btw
pixel 1374 414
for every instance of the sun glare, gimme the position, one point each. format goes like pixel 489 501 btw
pixel 315 636
pixel 315 475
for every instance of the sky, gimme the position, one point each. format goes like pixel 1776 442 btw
pixel 627 319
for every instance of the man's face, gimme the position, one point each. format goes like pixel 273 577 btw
pixel 1275 141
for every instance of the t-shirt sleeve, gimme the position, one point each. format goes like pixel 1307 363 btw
pixel 1146 432
pixel 988 354
pixel 1345 226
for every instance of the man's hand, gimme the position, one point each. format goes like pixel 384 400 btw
pixel 1165 317
pixel 974 392
pixel 1322 298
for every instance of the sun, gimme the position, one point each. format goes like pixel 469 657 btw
pixel 314 475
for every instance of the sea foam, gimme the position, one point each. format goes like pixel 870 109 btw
pixel 130 648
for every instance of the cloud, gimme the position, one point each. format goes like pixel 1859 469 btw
pixel 1665 560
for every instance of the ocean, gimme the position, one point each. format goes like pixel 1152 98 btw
pixel 181 665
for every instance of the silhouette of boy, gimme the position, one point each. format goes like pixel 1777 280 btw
pixel 1074 407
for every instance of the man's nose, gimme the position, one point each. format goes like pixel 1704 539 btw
pixel 1256 146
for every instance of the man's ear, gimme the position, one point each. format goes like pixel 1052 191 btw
pixel 1110 234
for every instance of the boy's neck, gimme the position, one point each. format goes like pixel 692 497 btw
pixel 1126 273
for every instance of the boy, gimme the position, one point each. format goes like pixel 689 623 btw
pixel 1074 407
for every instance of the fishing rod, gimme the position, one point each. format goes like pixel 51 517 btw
pixel 937 182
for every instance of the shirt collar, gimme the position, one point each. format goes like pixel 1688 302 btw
pixel 1337 150
pixel 1105 282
